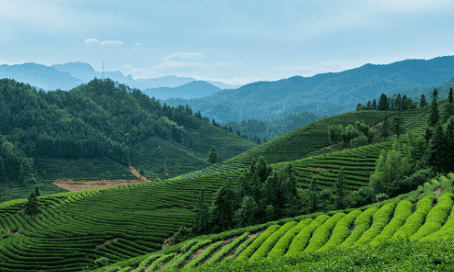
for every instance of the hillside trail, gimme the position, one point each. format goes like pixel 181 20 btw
pixel 80 185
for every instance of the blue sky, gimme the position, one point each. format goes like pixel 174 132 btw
pixel 236 42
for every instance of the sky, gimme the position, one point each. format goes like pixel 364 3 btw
pixel 235 42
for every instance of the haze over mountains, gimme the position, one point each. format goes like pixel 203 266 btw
pixel 72 74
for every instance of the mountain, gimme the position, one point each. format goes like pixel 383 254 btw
pixel 193 89
pixel 72 74
pixel 40 76
pixel 325 94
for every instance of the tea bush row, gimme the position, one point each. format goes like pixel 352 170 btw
pixel 300 241
pixel 272 240
pixel 341 231
pixel 321 235
pixel 284 242
pixel 414 222
pixel 362 223
pixel 403 211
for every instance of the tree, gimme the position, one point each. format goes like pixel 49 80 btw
pixel 374 105
pixel 358 107
pixel 231 129
pixel 272 194
pixel 213 157
pixel 293 203
pixel 313 197
pixel 396 126
pixel 434 115
pixel 142 173
pixel 245 215
pixel 423 101
pixel 37 193
pixel 224 205
pixel 448 109
pixel 340 191
pixel 398 103
pixel 383 103
pixel 384 129
pixel 201 223
pixel 31 207
pixel 368 106
pixel 437 151
pixel 449 136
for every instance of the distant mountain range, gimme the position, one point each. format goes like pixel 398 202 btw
pixel 72 74
pixel 326 94
pixel 323 94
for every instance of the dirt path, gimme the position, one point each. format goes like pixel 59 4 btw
pixel 81 185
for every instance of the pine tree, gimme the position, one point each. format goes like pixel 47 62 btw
pixel 374 105
pixel 434 115
pixel 272 195
pixel 246 214
pixel 231 129
pixel 437 151
pixel 31 207
pixel 448 109
pixel 37 193
pixel 449 136
pixel 423 101
pixel 358 107
pixel 224 205
pixel 396 126
pixel 383 103
pixel 201 223
pixel 313 195
pixel 405 103
pixel 384 129
pixel 258 141
pixel 398 102
pixel 293 202
pixel 368 106
pixel 213 157
pixel 213 122
pixel 339 204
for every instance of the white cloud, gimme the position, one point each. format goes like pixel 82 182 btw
pixel 110 42
pixel 93 40
pixel 183 56
pixel 127 66
pixel 138 44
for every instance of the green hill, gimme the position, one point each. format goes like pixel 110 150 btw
pixel 130 228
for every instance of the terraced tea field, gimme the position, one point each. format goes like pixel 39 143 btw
pixel 424 214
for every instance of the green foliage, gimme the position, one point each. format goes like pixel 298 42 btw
pixel 31 207
pixel 384 129
pixel 339 203
pixel 213 157
pixel 245 215
pixel 313 195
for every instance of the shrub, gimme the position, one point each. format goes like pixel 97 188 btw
pixel 381 197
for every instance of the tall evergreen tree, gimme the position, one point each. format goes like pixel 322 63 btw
pixel 383 103
pixel 423 101
pixel 384 129
pixel 398 102
pixel 449 136
pixel 358 107
pixel 437 153
pixel 374 105
pixel 434 115
pixel 231 129
pixel 396 126
pixel 368 106
pixel 224 205
pixel 31 207
pixel 448 109
pixel 213 157
pixel 339 203
pixel 313 195
pixel 293 202
pixel 246 214
pixel 201 222
pixel 405 103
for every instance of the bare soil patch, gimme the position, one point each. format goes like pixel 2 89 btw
pixel 80 185
pixel 437 191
